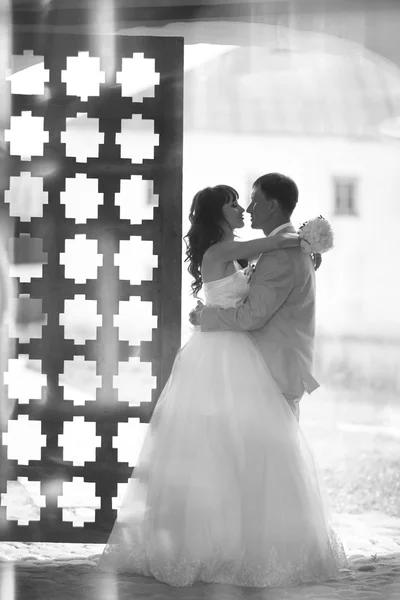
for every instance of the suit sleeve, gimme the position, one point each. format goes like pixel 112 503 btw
pixel 271 284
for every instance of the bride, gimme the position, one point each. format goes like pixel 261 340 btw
pixel 225 488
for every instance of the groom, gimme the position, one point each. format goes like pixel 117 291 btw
pixel 280 308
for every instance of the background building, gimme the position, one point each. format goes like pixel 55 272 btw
pixel 329 121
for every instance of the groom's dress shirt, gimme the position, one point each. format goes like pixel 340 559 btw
pixel 279 314
pixel 280 228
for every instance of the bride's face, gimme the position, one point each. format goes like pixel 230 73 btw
pixel 233 214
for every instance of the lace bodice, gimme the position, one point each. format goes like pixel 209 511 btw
pixel 227 292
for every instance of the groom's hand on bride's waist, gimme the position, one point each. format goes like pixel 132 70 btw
pixel 194 315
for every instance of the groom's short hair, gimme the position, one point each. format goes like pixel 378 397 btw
pixel 281 188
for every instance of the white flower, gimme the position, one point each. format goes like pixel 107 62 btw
pixel 305 246
pixel 318 248
pixel 316 236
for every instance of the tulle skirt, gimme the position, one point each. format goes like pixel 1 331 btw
pixel 225 489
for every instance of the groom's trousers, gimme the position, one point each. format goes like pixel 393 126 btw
pixel 294 404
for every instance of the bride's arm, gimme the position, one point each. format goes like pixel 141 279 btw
pixel 227 251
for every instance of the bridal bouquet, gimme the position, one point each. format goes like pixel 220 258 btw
pixel 316 236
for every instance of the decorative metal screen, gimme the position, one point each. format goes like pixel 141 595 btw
pixel 94 191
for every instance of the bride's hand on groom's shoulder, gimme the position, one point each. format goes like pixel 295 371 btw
pixel 194 315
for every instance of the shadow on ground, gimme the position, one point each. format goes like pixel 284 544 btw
pixel 78 579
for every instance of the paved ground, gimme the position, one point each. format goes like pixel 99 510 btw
pixel 67 571
pixel 357 444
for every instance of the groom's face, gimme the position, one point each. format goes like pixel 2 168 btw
pixel 260 209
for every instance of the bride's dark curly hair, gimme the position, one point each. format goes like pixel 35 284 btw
pixel 205 217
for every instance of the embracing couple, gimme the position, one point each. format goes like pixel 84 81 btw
pixel 225 488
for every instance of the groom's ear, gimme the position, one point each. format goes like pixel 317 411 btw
pixel 275 204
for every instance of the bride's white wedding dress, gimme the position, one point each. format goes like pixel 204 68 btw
pixel 225 489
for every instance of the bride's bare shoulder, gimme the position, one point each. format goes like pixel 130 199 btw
pixel 211 250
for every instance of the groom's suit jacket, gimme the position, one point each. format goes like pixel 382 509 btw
pixel 279 314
